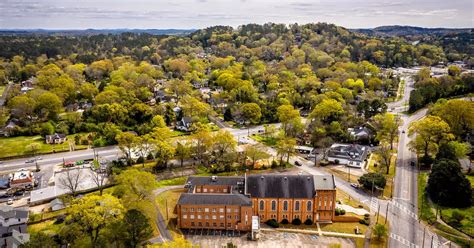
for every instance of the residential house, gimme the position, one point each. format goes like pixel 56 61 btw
pixel 22 179
pixel 184 124
pixel 361 134
pixel 228 203
pixel 57 138
pixel 13 226
pixel 352 155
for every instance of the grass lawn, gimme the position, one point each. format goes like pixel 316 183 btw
pixel 47 226
pixel 424 208
pixel 269 141
pixel 383 242
pixel 17 146
pixel 172 182
pixel 166 202
pixel 375 159
pixel 347 199
pixel 343 227
pixel 466 225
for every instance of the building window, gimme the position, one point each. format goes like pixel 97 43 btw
pixel 185 216
pixel 192 223
pixel 206 210
pixel 211 190
pixel 285 205
pixel 274 206
pixel 214 224
pixel 198 190
pixel 308 217
pixel 183 210
pixel 204 190
pixel 199 209
pixel 229 224
pixel 207 224
pixel 221 217
pixel 262 205
pixel 214 217
pixel 191 210
pixel 236 210
pixel 229 210
pixel 206 217
pixel 199 217
pixel 222 224
pixel 297 206
pixel 221 210
pixel 199 224
pixel 213 210
pixel 225 190
pixel 191 216
pixel 309 206
pixel 236 217
pixel 229 217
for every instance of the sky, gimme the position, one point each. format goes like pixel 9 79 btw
pixel 188 14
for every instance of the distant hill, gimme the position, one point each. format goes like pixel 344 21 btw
pixel 410 30
pixel 66 32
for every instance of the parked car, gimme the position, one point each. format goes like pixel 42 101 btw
pixel 39 158
pixel 297 163
pixel 261 131
pixel 355 185
pixel 403 131
pixel 10 201
pixel 29 161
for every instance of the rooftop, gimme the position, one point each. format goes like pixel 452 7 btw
pixel 214 199
pixel 281 186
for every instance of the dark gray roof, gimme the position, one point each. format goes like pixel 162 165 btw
pixel 348 151
pixel 324 182
pixel 214 199
pixel 232 181
pixel 280 186
pixel 10 212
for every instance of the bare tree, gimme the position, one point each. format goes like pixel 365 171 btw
pixel 70 179
pixel 99 176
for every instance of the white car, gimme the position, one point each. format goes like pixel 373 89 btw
pixel 10 201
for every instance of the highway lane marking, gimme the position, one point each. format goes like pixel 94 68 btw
pixel 403 240
pixel 405 209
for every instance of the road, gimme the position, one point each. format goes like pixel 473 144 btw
pixel 50 160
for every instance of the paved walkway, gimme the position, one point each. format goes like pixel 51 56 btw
pixel 347 208
pixel 322 233
pixel 165 234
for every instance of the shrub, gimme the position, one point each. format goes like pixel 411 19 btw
pixel 377 179
pixel 323 163
pixel 296 222
pixel 272 223
pixel 336 161
pixel 340 211
pixel 364 222
pixel 284 221
pixel 456 218
pixel 274 164
pixel 308 222
pixel 367 215
pixel 150 156
pixel 140 160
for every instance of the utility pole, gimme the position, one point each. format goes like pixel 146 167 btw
pixel 378 214
pixel 349 174
pixel 391 189
pixel 373 186
pixel 386 213
pixel 432 236
pixel 166 205
pixel 423 244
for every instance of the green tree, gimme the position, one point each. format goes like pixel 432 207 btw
pixel 92 213
pixel 286 147
pixel 127 141
pixel 22 107
pixel 290 119
pixel 135 185
pixel 40 240
pixel 48 105
pixel 430 132
pixel 372 180
pixel 256 152
pixel 448 186
pixel 380 231
pixel 137 228
pixel 47 129
pixel 251 112
pixel 461 121
pixel 387 127
pixel 183 151
pixel 327 109
pixel 158 121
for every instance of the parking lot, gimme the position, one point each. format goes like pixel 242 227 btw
pixel 267 239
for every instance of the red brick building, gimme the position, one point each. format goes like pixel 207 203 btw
pixel 230 202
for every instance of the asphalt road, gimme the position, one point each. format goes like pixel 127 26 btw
pixel 50 160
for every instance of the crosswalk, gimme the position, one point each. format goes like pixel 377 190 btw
pixel 404 209
pixel 402 240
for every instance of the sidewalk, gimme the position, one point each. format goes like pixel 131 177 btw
pixel 322 233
